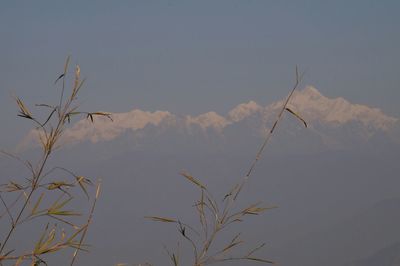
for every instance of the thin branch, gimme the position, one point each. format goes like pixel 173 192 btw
pixel 87 224
pixel 12 204
pixel 15 157
pixel 7 209
pixel 264 144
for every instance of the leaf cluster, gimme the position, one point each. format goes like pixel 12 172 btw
pixel 48 192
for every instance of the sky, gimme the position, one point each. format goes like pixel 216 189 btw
pixel 190 57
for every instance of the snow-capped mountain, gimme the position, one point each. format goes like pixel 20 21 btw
pixel 335 123
pixel 316 107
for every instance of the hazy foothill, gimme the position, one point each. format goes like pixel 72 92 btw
pixel 183 133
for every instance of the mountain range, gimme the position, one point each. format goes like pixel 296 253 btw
pixel 333 124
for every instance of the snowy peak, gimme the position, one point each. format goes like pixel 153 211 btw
pixel 310 92
pixel 311 104
pixel 208 120
pixel 244 110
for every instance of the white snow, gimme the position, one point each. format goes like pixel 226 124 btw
pixel 244 110
pixel 312 105
pixel 308 103
pixel 105 129
pixel 208 120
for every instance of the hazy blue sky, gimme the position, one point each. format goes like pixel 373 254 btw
pixel 195 56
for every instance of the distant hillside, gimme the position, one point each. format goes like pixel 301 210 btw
pixel 389 256
pixel 349 240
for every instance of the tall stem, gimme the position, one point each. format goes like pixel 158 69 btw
pixel 51 140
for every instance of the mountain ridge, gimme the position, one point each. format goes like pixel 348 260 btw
pixel 318 110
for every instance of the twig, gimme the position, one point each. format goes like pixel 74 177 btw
pixel 87 224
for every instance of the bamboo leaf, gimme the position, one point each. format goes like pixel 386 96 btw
pixel 37 204
pixel 255 210
pixel 161 219
pixel 49 117
pixel 297 116
pixel 80 85
pixel 70 114
pixel 23 110
pixel 38 244
pixel 12 186
pixel 108 115
pixel 64 213
pixel 45 105
pixel 260 260
pixel 50 238
pixel 77 73
pixel 66 64
pixel 75 234
pixel 56 207
pixel 82 181
pixel 58 185
pixel 231 245
pixel 62 204
pixel 98 190
pixel 89 115
pixel 235 237
pixel 255 249
pixel 59 77
pixel 175 260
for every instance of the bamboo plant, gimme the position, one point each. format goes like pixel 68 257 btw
pixel 44 196
pixel 215 216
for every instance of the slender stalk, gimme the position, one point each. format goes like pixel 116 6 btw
pixel 51 140
pixel 11 205
pixel 7 209
pixel 235 192
pixel 268 137
pixel 208 243
pixel 89 220
pixel 13 226
pixel 63 85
